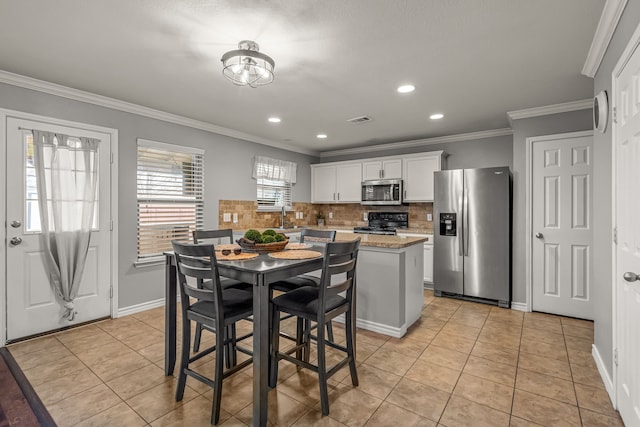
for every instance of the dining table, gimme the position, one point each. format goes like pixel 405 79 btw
pixel 260 272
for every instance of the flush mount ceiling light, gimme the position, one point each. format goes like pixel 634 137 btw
pixel 321 135
pixel 274 119
pixel 247 66
pixel 406 88
pixel 436 116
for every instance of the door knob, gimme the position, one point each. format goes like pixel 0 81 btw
pixel 631 277
pixel 16 241
pixel 539 236
pixel 16 224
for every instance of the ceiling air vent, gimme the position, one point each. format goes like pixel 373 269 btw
pixel 361 119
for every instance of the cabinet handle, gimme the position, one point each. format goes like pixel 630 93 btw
pixel 338 196
pixel 405 194
pixel 334 196
pixel 382 172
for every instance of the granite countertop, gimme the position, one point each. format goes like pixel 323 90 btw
pixel 381 241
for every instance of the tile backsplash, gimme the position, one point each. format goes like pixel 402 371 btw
pixel 342 215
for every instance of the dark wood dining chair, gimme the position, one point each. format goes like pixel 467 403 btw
pixel 217 309
pixel 313 236
pixel 216 237
pixel 320 304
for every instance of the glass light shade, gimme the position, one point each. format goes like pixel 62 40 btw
pixel 247 66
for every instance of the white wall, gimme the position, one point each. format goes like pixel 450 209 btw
pixel 228 167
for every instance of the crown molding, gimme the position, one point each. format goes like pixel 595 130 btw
pixel 116 104
pixel 566 107
pixel 611 14
pixel 419 142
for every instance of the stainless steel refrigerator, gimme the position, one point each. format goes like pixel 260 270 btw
pixel 472 236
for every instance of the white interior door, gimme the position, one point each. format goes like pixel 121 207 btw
pixel 627 208
pixel 561 224
pixel 32 307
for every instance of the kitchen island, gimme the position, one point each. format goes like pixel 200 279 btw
pixel 389 282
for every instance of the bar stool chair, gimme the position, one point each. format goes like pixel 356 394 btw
pixel 287 285
pixel 207 236
pixel 321 304
pixel 217 310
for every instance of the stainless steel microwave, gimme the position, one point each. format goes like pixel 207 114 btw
pixel 382 192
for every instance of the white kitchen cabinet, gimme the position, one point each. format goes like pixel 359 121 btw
pixel 336 183
pixel 418 176
pixel 382 169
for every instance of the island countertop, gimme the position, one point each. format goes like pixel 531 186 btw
pixel 381 241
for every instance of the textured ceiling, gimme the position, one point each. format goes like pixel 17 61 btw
pixel 472 60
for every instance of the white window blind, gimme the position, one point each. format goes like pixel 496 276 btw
pixel 274 181
pixel 170 196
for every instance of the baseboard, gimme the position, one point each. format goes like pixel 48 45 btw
pixel 377 327
pixel 132 309
pixel 606 379
pixel 519 306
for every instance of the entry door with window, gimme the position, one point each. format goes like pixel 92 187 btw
pixel 32 307
pixel 627 268
pixel 561 206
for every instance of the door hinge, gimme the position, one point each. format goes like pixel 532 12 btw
pixel 615 235
pixel 615 115
pixel 111 292
pixel 111 157
pixel 615 356
pixel 111 225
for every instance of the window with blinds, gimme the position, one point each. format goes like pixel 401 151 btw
pixel 273 186
pixel 170 196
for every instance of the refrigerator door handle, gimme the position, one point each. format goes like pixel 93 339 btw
pixel 460 228
pixel 465 234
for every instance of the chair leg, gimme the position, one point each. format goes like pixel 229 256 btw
pixel 184 359
pixel 299 337
pixel 230 349
pixel 219 369
pixel 196 339
pixel 322 372
pixel 351 346
pixel 330 331
pixel 307 340
pixel 275 347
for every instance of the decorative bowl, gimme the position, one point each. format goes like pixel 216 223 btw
pixel 262 248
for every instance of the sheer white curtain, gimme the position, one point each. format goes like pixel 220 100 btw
pixel 274 169
pixel 66 176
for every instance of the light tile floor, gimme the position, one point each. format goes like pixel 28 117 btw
pixel 463 363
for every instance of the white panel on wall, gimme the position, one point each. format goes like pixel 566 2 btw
pixel 580 274
pixel 551 201
pixel 551 271
pixel 35 275
pixel 580 201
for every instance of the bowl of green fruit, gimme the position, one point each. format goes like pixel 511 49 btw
pixel 267 241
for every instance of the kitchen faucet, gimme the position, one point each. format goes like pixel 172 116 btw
pixel 282 217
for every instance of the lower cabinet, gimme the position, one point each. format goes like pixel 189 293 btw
pixel 428 263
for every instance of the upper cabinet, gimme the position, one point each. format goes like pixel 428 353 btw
pixel 417 173
pixel 340 182
pixel 336 182
pixel 382 169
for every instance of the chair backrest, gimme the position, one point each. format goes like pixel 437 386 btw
pixel 323 236
pixel 197 261
pixel 200 235
pixel 339 258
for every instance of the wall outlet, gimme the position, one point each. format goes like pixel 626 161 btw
pixel 235 217
pixel 226 217
pixel 429 217
pixel 301 215
pixel 330 215
pixel 365 216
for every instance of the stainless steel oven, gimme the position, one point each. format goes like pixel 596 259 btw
pixel 382 192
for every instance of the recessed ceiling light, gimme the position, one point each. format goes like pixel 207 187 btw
pixel 274 120
pixel 322 135
pixel 436 116
pixel 406 88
